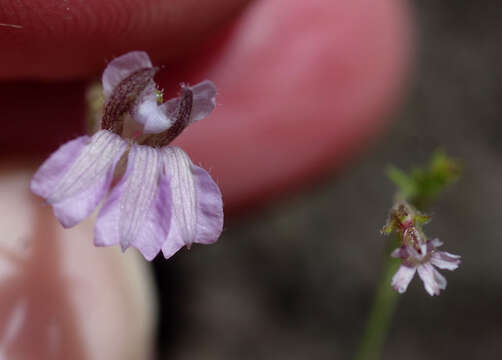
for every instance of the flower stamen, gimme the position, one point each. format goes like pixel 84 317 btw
pixel 123 97
pixel 183 115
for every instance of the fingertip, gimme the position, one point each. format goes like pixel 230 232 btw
pixel 73 39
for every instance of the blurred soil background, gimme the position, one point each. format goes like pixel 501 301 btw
pixel 295 279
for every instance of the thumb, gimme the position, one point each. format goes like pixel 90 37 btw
pixel 61 298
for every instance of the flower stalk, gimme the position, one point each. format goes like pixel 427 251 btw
pixel 382 309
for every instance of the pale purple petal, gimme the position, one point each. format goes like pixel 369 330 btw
pixel 76 177
pixel 197 207
pixel 170 107
pixel 204 101
pixel 106 231
pixel 148 112
pixel 434 282
pixel 401 252
pixel 173 244
pixel 209 207
pixel 137 212
pixel 434 243
pixel 121 67
pixel 445 260
pixel 396 253
pixel 48 176
pixel 402 278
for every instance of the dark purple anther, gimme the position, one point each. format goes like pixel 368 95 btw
pixel 123 97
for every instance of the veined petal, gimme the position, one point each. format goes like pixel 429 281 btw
pixel 137 212
pixel 76 177
pixel 44 182
pixel 197 207
pixel 148 112
pixel 445 260
pixel 434 282
pixel 434 244
pixel 204 101
pixel 402 278
pixel 121 67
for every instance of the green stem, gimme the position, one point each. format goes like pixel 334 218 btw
pixel 383 307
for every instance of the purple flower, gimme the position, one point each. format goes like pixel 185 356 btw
pixel 413 261
pixel 416 253
pixel 162 201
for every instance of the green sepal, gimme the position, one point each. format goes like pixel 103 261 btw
pixel 421 218
pixel 388 228
pixel 422 184
pixel 407 186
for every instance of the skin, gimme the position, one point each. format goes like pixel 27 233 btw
pixel 303 86
pixel 70 293
pixel 285 83
pixel 71 39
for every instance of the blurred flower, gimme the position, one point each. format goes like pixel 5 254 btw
pixel 417 253
pixel 162 201
pixel 413 261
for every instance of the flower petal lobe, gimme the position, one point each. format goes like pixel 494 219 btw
pixel 121 67
pixel 445 260
pixel 433 281
pixel 77 176
pixel 402 278
pixel 197 208
pixel 137 212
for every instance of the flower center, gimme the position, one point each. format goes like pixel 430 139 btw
pixel 183 114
